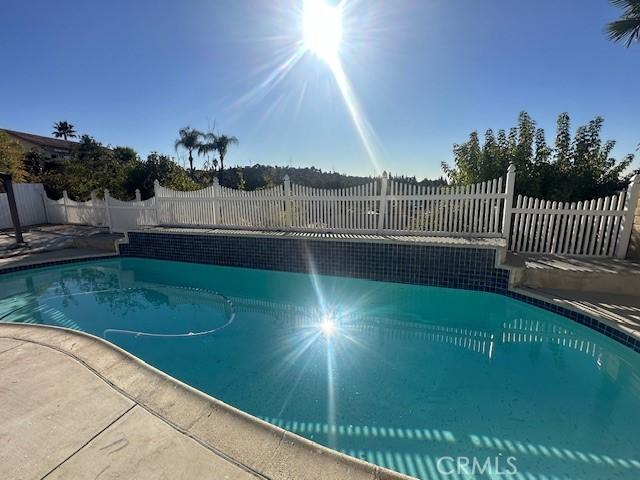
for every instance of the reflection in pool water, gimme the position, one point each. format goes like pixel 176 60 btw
pixel 399 375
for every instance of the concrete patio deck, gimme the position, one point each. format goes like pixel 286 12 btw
pixel 75 406
pixel 48 243
pixel 49 238
pixel 619 311
pixel 604 288
pixel 579 274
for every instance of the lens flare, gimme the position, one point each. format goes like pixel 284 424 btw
pixel 365 132
pixel 322 26
pixel 322 30
pixel 328 326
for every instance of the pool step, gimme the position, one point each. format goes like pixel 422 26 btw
pixel 597 275
pixel 100 241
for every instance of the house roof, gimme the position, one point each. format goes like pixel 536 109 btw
pixel 47 142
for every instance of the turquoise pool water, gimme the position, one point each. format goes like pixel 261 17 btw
pixel 408 377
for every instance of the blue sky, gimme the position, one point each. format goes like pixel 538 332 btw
pixel 425 72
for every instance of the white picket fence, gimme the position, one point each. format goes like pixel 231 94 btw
pixel 382 206
pixel 120 216
pixel 598 227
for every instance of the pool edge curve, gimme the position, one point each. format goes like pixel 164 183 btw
pixel 259 447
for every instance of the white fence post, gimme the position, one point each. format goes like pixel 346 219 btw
pixel 45 205
pixel 287 202
pixel 382 211
pixel 138 196
pixel 630 204
pixel 156 191
pixel 508 202
pixel 65 198
pixel 94 201
pixel 217 204
pixel 106 205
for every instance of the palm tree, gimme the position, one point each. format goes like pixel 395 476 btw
pixel 627 27
pixel 208 145
pixel 189 139
pixel 222 144
pixel 64 129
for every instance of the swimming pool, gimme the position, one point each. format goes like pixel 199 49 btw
pixel 401 375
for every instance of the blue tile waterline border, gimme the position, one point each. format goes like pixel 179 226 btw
pixel 469 268
pixel 465 267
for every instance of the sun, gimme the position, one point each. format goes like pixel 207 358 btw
pixel 322 24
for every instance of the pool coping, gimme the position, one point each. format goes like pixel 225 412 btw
pixel 258 447
pixel 36 263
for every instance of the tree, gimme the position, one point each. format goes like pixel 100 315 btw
pixel 92 166
pixel 627 27
pixel 208 145
pixel 222 144
pixel 11 155
pixel 189 139
pixel 34 162
pixel 232 178
pixel 575 169
pixel 64 130
pixel 125 154
pixel 162 168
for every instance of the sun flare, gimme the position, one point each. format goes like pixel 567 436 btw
pixel 328 326
pixel 322 24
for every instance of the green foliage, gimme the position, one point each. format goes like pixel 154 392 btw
pixel 11 158
pixel 92 166
pixel 34 162
pixel 125 154
pixel 64 130
pixel 627 27
pixel 233 178
pixel 258 176
pixel 572 170
pixel 162 168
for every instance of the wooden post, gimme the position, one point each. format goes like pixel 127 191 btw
pixel 508 202
pixel 630 204
pixel 287 203
pixel 382 211
pixel 106 205
pixel 13 208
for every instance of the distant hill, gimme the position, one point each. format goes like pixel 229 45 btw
pixel 264 176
